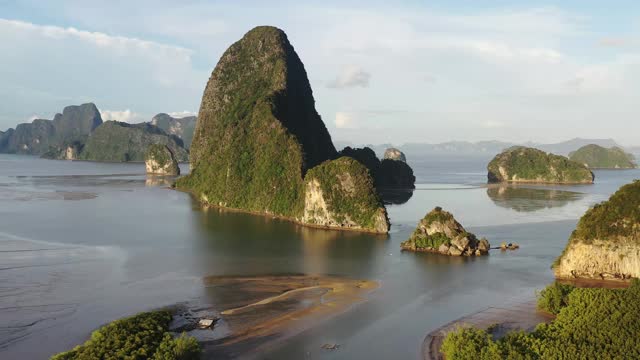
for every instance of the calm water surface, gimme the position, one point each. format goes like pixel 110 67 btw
pixel 85 243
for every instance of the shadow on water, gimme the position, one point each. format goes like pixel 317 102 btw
pixel 525 199
pixel 236 243
pixel 395 196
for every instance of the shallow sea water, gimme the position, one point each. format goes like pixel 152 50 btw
pixel 85 243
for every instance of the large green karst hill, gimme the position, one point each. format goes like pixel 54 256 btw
pixel 521 164
pixel 598 157
pixel 258 133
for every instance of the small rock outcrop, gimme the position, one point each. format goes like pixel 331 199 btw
pixel 159 160
pixel 66 151
pixel 181 127
pixel 528 165
pixel 439 232
pixel 340 194
pixel 606 242
pixel 395 174
pixel 598 157
pixel 388 173
pixel 394 154
pixel 122 142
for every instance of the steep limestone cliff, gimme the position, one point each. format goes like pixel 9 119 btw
pixel 606 242
pixel 52 136
pixel 260 145
pixel 340 194
pixel 160 160
pixel 181 127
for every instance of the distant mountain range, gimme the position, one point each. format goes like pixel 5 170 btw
pixel 485 148
pixel 79 133
pixel 77 123
pixel 181 127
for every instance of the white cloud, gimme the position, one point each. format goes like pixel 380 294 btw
pixel 351 76
pixel 492 124
pixel 118 44
pixel 46 68
pixel 33 117
pixel 526 69
pixel 345 120
pixel 181 114
pixel 127 116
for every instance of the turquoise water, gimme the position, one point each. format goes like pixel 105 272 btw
pixel 85 243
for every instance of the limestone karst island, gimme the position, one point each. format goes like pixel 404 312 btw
pixel 529 165
pixel 201 180
pixel 606 242
pixel 598 157
pixel 439 232
pixel 260 145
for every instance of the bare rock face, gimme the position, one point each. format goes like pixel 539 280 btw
pixel 71 152
pixel 394 154
pixel 340 194
pixel 439 232
pixel 606 242
pixel 160 160
pixel 180 127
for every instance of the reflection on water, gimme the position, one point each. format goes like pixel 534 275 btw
pixel 525 199
pixel 152 180
pixel 127 247
pixel 396 196
pixel 235 243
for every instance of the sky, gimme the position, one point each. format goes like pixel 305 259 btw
pixel 381 71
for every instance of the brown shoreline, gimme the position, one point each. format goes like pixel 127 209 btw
pixel 595 283
pixel 513 316
pixel 279 217
pixel 533 182
pixel 427 251
pixel 257 313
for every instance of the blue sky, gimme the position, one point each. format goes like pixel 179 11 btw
pixel 411 71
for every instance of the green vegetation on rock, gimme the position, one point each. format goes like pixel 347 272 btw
pixel 439 232
pixel 606 241
pixel 159 159
pixel 613 220
pixel 343 191
pixel 118 141
pixel 598 157
pixel 142 336
pixel 591 323
pixel 258 131
pixel 261 146
pixel 522 164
